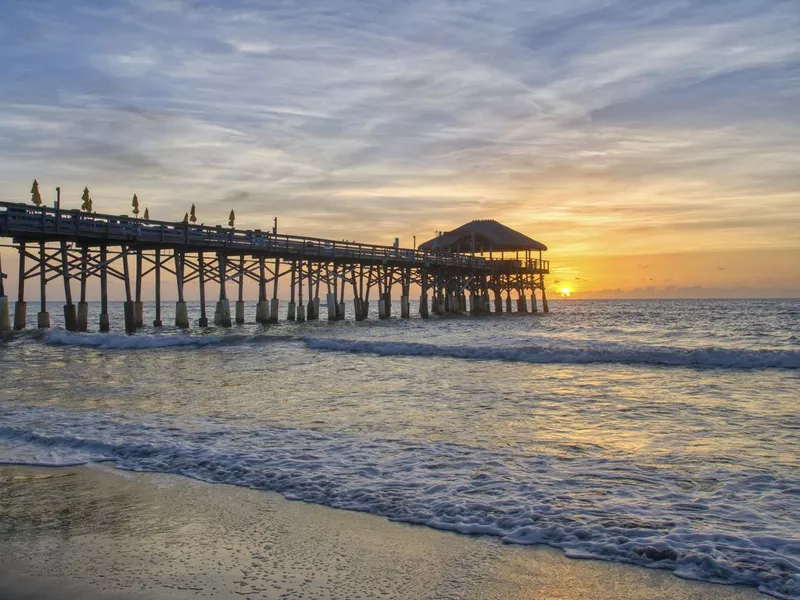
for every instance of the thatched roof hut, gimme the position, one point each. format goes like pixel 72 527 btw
pixel 486 234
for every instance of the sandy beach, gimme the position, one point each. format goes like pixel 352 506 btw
pixel 95 532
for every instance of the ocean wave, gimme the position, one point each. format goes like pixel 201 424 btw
pixel 711 357
pixel 550 351
pixel 118 341
pixel 597 508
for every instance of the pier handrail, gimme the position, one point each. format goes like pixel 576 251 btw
pixel 23 220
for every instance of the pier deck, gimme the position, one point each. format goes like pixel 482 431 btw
pixel 73 245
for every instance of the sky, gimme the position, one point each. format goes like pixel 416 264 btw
pixel 653 145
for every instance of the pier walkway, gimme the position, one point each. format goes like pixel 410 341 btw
pixel 74 246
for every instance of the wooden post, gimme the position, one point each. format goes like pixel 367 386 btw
pixel 128 308
pixel 138 308
pixel 222 313
pixel 70 317
pixel 262 311
pixel 181 310
pixel 5 315
pixel 201 270
pixel 275 303
pixel 104 320
pixel 291 311
pixel 21 307
pixel 43 318
pixel 157 321
pixel 240 301
pixel 83 307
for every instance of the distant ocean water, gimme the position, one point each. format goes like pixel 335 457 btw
pixel 662 433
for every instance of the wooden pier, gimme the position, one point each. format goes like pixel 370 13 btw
pixel 66 247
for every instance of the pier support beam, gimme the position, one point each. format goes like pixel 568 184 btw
pixel 83 306
pixel 70 316
pixel 508 303
pixel 423 306
pixel 239 309
pixel 181 311
pixel 534 308
pixel 405 307
pixel 181 315
pixel 239 306
pixel 129 307
pixel 522 305
pixel 157 320
pixel 301 312
pixel 498 303
pixel 105 324
pixel 43 318
pixel 201 271
pixel 274 305
pixel 138 306
pixel 545 308
pixel 20 307
pixel 274 308
pixel 5 315
pixel 332 307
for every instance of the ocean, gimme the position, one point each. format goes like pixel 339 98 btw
pixel 660 433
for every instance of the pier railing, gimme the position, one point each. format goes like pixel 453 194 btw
pixel 24 221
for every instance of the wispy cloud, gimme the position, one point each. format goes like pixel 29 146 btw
pixel 599 126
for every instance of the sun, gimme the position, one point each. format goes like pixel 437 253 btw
pixel 565 292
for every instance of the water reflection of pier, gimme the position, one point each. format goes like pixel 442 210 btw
pixel 480 268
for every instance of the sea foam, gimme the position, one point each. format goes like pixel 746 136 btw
pixel 589 507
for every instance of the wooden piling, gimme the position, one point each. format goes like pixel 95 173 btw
pixel 105 324
pixel 157 268
pixel 83 306
pixel 70 315
pixel 129 309
pixel 21 307
pixel 181 310
pixel 43 318
pixel 201 270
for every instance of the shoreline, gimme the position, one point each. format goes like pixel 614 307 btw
pixel 95 531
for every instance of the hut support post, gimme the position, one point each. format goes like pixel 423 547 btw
pixel 21 307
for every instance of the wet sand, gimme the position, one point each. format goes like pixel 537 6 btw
pixel 94 532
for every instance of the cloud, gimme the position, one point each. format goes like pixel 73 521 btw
pixel 597 126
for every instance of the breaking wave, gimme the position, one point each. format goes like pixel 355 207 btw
pixel 589 507
pixel 640 355
pixel 553 352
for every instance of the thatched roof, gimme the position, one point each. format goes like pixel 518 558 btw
pixel 488 234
